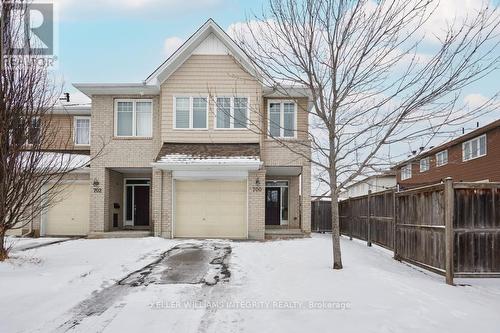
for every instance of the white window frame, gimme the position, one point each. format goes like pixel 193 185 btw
pixel 134 113
pixel 428 164
pixel 437 158
pixel 478 139
pixel 75 119
pixel 231 113
pixel 282 118
pixel 190 128
pixel 403 174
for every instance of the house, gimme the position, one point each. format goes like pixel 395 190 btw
pixel 374 183
pixel 472 157
pixel 189 152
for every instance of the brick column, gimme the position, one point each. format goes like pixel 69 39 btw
pixel 256 204
pixel 306 199
pixel 156 205
pixel 99 212
pixel 166 211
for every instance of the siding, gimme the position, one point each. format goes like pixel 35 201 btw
pixel 483 168
pixel 214 75
pixel 60 134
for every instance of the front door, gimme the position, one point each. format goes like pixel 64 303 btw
pixel 141 205
pixel 136 210
pixel 273 199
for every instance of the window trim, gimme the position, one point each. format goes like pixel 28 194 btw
pixel 282 118
pixel 436 157
pixel 409 165
pixel 190 128
pixel 478 138
pixel 134 112
pixel 231 114
pixel 28 134
pixel 75 118
pixel 428 164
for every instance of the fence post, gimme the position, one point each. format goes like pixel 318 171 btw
pixel 350 218
pixel 369 227
pixel 448 222
pixel 395 221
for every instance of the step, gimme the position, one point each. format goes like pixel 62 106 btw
pixel 284 233
pixel 120 234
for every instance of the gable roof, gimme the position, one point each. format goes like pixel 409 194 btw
pixel 185 50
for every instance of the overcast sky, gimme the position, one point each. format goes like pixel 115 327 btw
pixel 125 40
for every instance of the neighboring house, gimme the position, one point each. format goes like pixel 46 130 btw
pixel 471 157
pixel 184 154
pixel 374 183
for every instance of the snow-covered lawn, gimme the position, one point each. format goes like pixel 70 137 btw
pixel 271 288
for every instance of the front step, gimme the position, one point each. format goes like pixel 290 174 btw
pixel 284 233
pixel 120 234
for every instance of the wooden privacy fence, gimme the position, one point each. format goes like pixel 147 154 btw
pixel 449 228
pixel 321 216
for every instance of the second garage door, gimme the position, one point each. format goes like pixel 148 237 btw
pixel 70 215
pixel 210 209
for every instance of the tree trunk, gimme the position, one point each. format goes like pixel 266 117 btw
pixel 4 253
pixel 337 256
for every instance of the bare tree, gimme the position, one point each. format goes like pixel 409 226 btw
pixel 31 172
pixel 374 78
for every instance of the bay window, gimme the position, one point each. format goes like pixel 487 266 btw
pixel 282 119
pixel 134 118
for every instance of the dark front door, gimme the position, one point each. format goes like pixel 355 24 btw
pixel 141 205
pixel 273 206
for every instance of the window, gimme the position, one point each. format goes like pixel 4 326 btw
pixel 474 148
pixel 231 112
pixel 282 117
pixel 190 112
pixel 442 158
pixel 406 172
pixel 424 164
pixel 134 118
pixel 34 130
pixel 82 130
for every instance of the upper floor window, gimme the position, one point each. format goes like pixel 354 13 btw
pixel 474 148
pixel 424 164
pixel 406 172
pixel 82 130
pixel 232 112
pixel 190 113
pixel 282 119
pixel 442 158
pixel 34 130
pixel 134 118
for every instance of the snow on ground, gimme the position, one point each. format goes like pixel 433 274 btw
pixel 18 244
pixel 271 288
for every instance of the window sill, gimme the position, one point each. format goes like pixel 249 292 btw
pixel 132 138
pixel 473 158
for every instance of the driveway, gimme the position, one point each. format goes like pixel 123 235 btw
pixel 158 285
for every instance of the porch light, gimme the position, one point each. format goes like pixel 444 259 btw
pixel 257 182
pixel 95 183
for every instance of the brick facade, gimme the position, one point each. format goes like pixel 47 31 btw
pixel 483 168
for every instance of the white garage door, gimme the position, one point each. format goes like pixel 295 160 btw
pixel 70 216
pixel 210 209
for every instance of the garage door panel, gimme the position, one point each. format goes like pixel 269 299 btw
pixel 70 215
pixel 210 209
